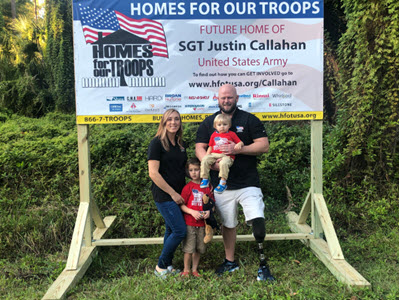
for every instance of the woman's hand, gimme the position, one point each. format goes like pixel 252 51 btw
pixel 177 198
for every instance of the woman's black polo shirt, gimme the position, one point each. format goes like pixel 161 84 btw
pixel 172 167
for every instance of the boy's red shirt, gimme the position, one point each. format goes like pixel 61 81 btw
pixel 193 196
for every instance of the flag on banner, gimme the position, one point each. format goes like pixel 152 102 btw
pixel 150 30
pixel 95 20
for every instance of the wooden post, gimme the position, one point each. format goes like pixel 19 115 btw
pixel 316 174
pixel 85 185
pixel 83 228
pixel 81 250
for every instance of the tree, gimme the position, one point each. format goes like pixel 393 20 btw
pixel 364 146
pixel 13 9
pixel 23 88
pixel 59 54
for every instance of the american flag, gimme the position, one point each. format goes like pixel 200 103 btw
pixel 107 21
pixel 150 30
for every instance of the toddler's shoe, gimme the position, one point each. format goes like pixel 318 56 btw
pixel 204 183
pixel 220 188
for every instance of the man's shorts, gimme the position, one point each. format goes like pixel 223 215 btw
pixel 194 241
pixel 251 200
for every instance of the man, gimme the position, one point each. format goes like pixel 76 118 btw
pixel 243 185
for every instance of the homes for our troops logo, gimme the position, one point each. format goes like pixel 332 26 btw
pixel 122 48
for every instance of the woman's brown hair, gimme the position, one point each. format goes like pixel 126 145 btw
pixel 162 131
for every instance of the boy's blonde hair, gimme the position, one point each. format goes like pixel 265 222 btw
pixel 221 118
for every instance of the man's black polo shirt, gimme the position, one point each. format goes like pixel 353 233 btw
pixel 248 127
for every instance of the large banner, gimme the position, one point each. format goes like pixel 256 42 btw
pixel 134 59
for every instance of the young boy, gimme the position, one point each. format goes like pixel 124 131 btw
pixel 220 137
pixel 193 245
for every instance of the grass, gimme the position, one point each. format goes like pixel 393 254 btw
pixel 127 273
pixel 40 192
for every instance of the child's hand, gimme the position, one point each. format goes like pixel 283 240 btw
pixel 206 214
pixel 196 214
pixel 239 146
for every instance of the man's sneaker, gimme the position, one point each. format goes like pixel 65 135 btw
pixel 227 266
pixel 264 274
pixel 204 183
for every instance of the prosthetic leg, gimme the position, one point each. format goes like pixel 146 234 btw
pixel 264 273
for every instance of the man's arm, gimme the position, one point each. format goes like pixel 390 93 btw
pixel 201 150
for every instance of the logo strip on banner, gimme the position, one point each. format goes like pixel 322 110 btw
pixel 134 60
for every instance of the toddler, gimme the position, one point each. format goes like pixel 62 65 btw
pixel 220 137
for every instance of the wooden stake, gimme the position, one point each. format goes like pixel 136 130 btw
pixel 327 225
pixel 305 210
pixel 77 237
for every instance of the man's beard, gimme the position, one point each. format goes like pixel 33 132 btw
pixel 230 111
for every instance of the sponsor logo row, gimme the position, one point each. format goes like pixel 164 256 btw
pixel 284 104
pixel 179 97
pixel 134 107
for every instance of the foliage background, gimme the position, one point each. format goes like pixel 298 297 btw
pixel 39 192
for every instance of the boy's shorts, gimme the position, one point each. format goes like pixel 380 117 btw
pixel 194 240
pixel 251 200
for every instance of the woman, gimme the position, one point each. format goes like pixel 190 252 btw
pixel 166 159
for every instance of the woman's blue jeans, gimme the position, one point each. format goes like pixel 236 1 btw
pixel 175 231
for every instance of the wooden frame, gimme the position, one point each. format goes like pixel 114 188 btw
pixel 320 237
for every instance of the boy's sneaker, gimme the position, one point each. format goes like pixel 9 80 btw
pixel 204 183
pixel 264 274
pixel 220 188
pixel 227 266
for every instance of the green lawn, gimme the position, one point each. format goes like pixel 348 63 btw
pixel 127 273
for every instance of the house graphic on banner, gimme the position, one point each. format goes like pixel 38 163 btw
pixel 122 48
pixel 121 54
